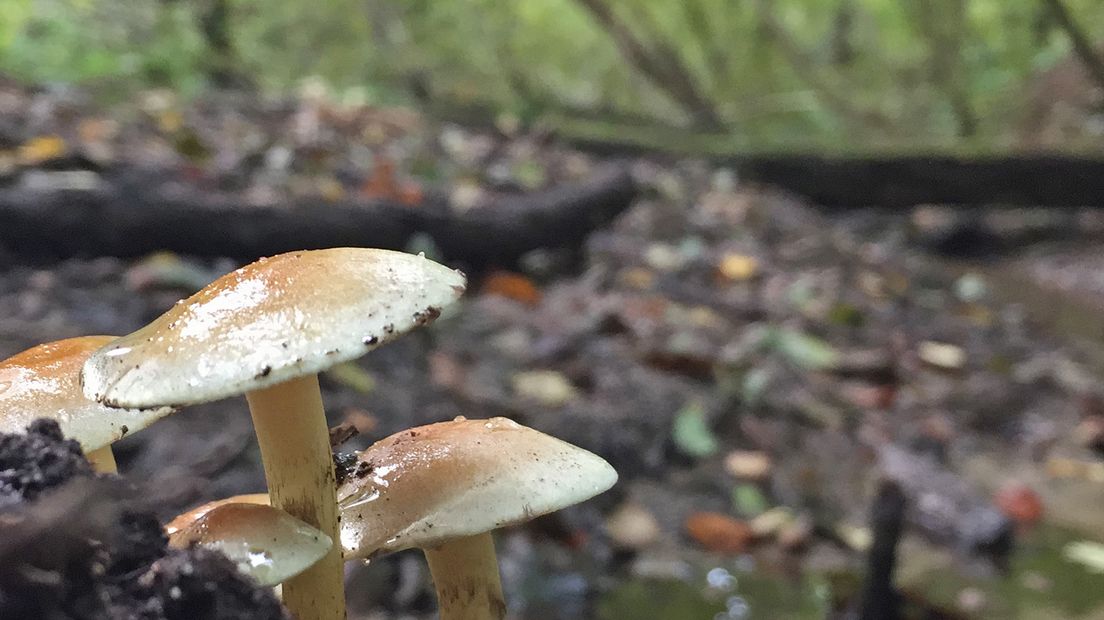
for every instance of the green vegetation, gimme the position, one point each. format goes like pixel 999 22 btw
pixel 766 75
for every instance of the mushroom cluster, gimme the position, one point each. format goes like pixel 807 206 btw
pixel 266 331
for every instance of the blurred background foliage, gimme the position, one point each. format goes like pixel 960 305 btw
pixel 750 74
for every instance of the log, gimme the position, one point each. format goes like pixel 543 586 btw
pixel 128 213
pixel 874 179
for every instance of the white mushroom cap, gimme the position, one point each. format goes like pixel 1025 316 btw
pixel 44 382
pixel 273 320
pixel 265 542
pixel 424 485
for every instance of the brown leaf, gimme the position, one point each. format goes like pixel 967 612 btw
pixel 512 286
pixel 1019 503
pixel 718 533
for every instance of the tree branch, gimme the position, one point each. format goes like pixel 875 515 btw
pixel 661 66
pixel 1080 40
pixel 802 65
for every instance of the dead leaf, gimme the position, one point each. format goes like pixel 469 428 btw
pixel 512 286
pixel 738 267
pixel 748 464
pixel 718 533
pixel 632 526
pixel 547 387
pixel 41 149
pixel 941 355
pixel 1019 503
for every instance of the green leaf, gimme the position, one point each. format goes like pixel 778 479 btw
pixel 691 434
pixel 802 349
pixel 748 500
pixel 352 376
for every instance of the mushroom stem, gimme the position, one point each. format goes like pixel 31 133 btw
pixel 103 460
pixel 465 573
pixel 295 447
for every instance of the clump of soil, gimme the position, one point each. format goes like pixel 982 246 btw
pixel 75 545
pixel 38 461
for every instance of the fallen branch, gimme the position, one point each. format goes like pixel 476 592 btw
pixel 880 600
pixel 131 213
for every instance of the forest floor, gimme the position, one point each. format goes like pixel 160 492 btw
pixel 751 367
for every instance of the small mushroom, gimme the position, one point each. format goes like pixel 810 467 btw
pixel 265 542
pixel 266 330
pixel 44 382
pixel 444 487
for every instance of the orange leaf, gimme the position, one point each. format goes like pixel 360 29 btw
pixel 717 532
pixel 1019 503
pixel 512 286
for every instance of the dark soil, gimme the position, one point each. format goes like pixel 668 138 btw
pixel 74 546
pixel 37 462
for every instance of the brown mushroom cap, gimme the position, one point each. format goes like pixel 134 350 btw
pixel 273 320
pixel 184 520
pixel 428 484
pixel 266 543
pixel 44 382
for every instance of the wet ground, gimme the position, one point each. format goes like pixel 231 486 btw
pixel 750 366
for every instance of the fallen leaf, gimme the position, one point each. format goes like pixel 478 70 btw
pixel 856 537
pixel 691 434
pixel 167 270
pixel 361 419
pixel 738 267
pixel 352 376
pixel 512 286
pixel 770 522
pixel 748 464
pixel 1061 467
pixel 846 315
pixel 638 278
pixel 941 355
pixel 632 526
pixel 1019 503
pixel 748 500
pixel 41 149
pixel 795 533
pixel 1086 553
pixel 446 371
pixel 330 189
pixel 170 121
pixel 718 533
pixel 802 349
pixel 547 387
pixel 869 395
pixel 383 184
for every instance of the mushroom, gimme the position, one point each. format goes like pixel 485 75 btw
pixel 266 330
pixel 443 488
pixel 266 543
pixel 44 382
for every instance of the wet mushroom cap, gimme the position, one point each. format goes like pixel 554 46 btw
pixel 425 485
pixel 44 382
pixel 266 543
pixel 273 320
pixel 186 519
